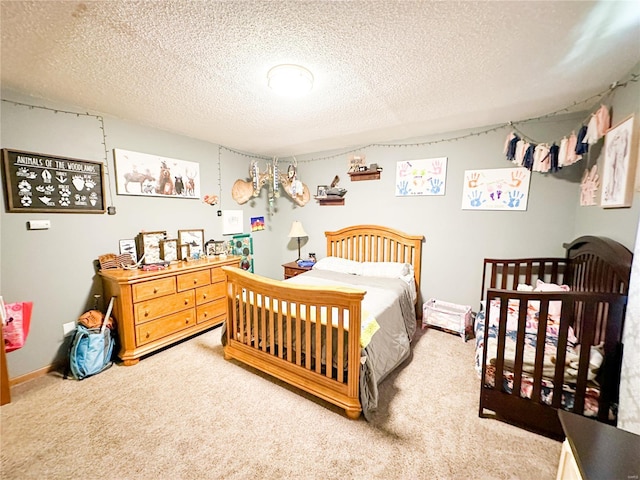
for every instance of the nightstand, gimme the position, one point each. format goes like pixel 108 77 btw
pixel 292 269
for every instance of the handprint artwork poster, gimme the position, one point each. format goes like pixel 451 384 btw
pixel 496 189
pixel 421 177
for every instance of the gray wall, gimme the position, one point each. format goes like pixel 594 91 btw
pixel 54 268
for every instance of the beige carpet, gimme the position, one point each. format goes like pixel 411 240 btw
pixel 187 413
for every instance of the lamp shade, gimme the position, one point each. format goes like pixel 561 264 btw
pixel 297 230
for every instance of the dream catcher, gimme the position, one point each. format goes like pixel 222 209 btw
pixel 242 191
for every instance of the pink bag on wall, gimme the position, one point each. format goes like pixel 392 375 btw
pixel 16 326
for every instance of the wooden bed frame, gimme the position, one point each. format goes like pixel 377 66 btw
pixel 270 346
pixel 597 270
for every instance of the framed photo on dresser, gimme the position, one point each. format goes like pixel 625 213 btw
pixel 193 238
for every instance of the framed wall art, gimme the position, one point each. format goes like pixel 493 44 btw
pixel 41 183
pixel 155 176
pixel 149 245
pixel 169 249
pixel 194 239
pixel 619 164
pixel 232 221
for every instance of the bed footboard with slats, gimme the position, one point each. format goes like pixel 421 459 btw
pixel 306 336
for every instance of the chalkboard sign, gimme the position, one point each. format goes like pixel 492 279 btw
pixel 39 183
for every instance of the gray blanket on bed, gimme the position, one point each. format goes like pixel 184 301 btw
pixel 389 301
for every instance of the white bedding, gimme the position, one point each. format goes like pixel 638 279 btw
pixel 390 302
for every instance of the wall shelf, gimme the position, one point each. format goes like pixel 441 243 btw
pixel 330 200
pixel 365 175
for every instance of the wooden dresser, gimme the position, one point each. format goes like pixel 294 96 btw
pixel 157 308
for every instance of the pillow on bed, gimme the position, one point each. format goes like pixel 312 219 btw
pixel 555 308
pixel 340 265
pixel 385 269
pixel 550 287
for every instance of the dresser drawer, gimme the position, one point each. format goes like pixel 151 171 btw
pixel 217 275
pixel 154 289
pixel 150 331
pixel 145 311
pixel 194 279
pixel 210 293
pixel 211 310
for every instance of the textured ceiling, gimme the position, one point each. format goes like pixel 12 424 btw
pixel 384 70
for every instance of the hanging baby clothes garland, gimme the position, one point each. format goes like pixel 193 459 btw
pixel 544 158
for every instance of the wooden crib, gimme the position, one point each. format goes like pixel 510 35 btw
pixel 519 332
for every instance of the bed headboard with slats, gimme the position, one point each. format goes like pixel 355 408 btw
pixel 374 243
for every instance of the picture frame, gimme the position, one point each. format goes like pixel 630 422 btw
pixel 155 176
pixel 34 182
pixel 149 245
pixel 214 248
pixel 128 245
pixel 185 252
pixel 169 249
pixel 355 162
pixel 619 164
pixel 194 238
pixel 322 191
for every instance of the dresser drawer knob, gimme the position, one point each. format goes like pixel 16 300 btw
pixel 146 313
pixel 155 290
pixel 186 321
pixel 195 280
pixel 147 335
pixel 206 314
pixel 204 296
pixel 186 301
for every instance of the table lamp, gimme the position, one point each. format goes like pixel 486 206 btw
pixel 297 231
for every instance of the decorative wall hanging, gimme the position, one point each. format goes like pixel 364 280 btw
pixel 210 199
pixel 232 221
pixel 589 186
pixel 257 224
pixel 496 189
pixel 618 169
pixel 242 191
pixel 42 183
pixel 242 245
pixel 155 176
pixel 421 177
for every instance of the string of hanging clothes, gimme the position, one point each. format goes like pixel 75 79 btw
pixel 544 157
pixel 552 157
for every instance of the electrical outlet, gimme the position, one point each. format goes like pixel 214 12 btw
pixel 69 327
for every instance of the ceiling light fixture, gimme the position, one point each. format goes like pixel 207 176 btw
pixel 290 80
